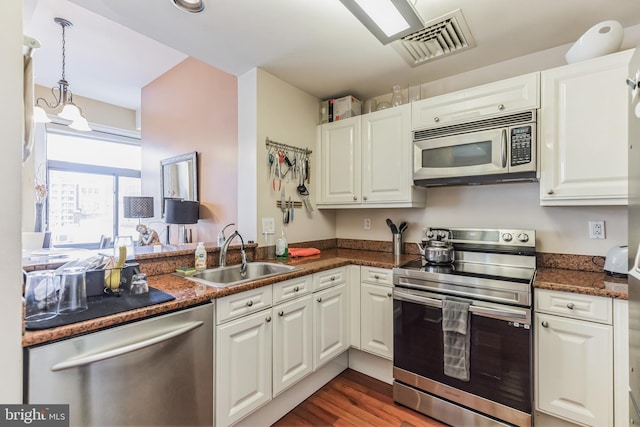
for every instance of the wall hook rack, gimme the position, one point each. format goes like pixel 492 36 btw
pixel 280 146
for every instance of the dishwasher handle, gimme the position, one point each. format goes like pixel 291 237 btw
pixel 84 360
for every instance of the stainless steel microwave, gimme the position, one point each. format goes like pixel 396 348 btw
pixel 497 149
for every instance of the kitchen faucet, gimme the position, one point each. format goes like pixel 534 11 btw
pixel 223 252
pixel 221 239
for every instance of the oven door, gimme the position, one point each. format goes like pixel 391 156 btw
pixel 500 353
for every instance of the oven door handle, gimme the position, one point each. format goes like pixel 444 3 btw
pixel 410 297
pixel 504 313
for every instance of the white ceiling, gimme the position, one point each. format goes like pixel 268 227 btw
pixel 117 46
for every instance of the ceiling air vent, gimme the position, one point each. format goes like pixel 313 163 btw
pixel 441 37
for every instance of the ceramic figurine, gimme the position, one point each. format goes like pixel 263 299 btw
pixel 148 236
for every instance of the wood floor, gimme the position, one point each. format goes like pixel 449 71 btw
pixel 354 399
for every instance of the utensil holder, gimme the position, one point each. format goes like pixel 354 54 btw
pixel 397 244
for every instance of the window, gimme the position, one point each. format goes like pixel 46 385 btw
pixel 88 175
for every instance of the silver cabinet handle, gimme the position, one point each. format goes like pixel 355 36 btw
pixel 319 299
pixel 355 198
pixel 375 276
pixel 249 303
pixel 268 319
pixel 500 107
pixel 119 351
pixel 503 138
pixel 332 278
pixel 389 294
pixel 281 313
pixel 545 324
pixel 571 306
pixel 632 83
pixel 550 191
pixel 364 197
pixel 436 119
pixel 296 289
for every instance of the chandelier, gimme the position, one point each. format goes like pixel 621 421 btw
pixel 63 98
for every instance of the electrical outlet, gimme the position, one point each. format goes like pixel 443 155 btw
pixel 268 226
pixel 596 230
pixel 367 223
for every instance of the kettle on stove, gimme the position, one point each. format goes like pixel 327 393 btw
pixel 616 262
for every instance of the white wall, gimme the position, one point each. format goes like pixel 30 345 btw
pixel 287 115
pixel 515 205
pixel 10 174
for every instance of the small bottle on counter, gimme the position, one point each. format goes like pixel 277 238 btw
pixel 201 257
pixel 282 248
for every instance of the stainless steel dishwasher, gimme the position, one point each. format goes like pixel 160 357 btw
pixel 154 372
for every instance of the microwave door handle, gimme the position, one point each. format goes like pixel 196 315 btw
pixel 503 143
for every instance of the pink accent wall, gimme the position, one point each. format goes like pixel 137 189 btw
pixel 194 107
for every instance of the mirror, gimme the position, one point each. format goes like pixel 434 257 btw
pixel 179 177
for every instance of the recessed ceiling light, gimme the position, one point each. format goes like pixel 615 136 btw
pixel 191 6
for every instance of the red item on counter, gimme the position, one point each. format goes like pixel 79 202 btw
pixel 297 252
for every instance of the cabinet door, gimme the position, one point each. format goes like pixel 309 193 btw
pixel 386 155
pixel 501 97
pixel 584 133
pixel 339 174
pixel 292 342
pixel 376 331
pixel 243 366
pixel 330 324
pixel 574 370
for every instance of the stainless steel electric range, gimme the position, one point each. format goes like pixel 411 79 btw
pixel 488 279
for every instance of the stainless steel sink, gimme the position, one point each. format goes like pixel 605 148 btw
pixel 223 277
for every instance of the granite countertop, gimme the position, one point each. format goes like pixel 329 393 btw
pixel 189 293
pixel 582 282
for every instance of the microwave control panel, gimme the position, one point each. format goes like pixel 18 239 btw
pixel 521 137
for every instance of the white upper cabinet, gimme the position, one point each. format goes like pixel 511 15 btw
pixel 501 97
pixel 365 161
pixel 583 136
pixel 339 177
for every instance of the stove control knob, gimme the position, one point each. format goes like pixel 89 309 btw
pixel 523 237
pixel 507 237
pixel 430 234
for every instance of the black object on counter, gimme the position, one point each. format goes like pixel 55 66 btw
pixel 104 305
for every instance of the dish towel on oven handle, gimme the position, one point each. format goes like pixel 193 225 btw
pixel 456 335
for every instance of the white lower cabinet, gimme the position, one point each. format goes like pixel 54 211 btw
pixel 243 366
pixel 292 342
pixel 269 338
pixel 574 358
pixel 330 324
pixel 376 312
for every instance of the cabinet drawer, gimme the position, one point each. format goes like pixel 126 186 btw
pixel 326 279
pixel 378 276
pixel 293 288
pixel 577 306
pixel 237 305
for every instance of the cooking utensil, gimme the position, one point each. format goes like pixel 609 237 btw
pixel 403 226
pixel 283 206
pixel 437 251
pixel 303 192
pixel 291 209
pixel 392 226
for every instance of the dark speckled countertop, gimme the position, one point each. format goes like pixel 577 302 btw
pixel 558 272
pixel 582 282
pixel 189 293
